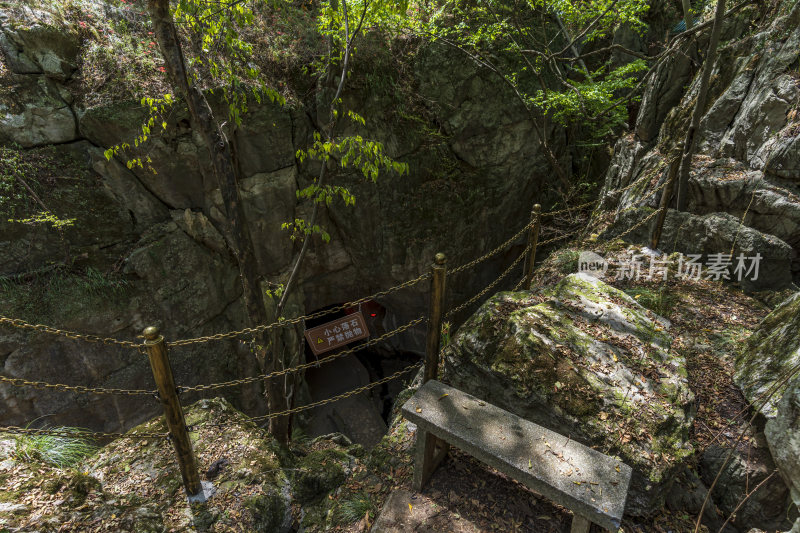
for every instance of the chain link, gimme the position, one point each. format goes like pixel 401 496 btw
pixel 648 217
pixel 587 204
pixel 19 382
pixel 82 434
pixel 561 237
pixel 21 324
pixel 339 397
pixel 569 209
pixel 490 254
pixel 490 286
pixel 640 223
pixel 337 355
pixel 297 320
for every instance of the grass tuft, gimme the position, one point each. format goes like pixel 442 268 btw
pixel 355 508
pixel 58 451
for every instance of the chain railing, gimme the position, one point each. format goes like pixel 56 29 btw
pixel 80 389
pixel 298 320
pixel 492 253
pixel 294 369
pixel 21 324
pixel 156 348
pixel 407 369
pixel 489 287
pixel 628 187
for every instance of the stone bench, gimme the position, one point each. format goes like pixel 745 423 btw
pixel 592 485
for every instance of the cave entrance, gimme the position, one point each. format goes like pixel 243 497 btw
pixel 362 417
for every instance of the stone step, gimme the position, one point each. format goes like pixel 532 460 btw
pixel 592 485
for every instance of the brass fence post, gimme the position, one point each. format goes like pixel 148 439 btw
pixel 436 305
pixel 533 241
pixel 431 450
pixel 162 372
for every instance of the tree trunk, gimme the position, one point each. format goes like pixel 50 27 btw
pixel 687 14
pixel 224 171
pixel 699 107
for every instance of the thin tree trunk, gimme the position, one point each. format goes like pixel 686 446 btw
pixel 224 171
pixel 699 107
pixel 687 14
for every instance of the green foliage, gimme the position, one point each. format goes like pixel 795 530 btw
pixel 353 150
pixel 299 229
pixel 590 98
pixel 19 202
pixel 523 43
pixel 58 451
pixel 44 217
pixel 355 508
pixel 445 335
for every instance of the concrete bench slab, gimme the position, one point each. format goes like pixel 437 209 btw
pixel 592 485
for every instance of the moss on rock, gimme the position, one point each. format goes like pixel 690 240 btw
pixel 584 359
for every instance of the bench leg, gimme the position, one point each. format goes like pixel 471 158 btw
pixel 579 524
pixel 429 453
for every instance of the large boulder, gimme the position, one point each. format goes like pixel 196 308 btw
pixel 769 355
pixel 35 41
pixel 714 233
pixel 586 360
pixel 783 438
pixel 33 112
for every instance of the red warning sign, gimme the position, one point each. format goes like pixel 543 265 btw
pixel 337 333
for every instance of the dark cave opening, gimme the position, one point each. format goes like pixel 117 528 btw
pixel 363 417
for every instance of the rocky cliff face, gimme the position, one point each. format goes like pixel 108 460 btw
pixel 474 175
pixel 744 197
pixel 744 188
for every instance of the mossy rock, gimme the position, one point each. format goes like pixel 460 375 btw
pixel 770 352
pixel 586 360
pixel 319 473
pixel 269 511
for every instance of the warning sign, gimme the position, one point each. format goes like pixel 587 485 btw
pixel 337 333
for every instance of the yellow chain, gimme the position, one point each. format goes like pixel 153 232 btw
pixel 568 209
pixel 490 254
pixel 21 324
pixel 297 320
pixel 490 286
pixel 327 359
pixel 339 397
pixel 82 434
pixel 561 237
pixel 648 217
pixel 19 382
pixel 641 222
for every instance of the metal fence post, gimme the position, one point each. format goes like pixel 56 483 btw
pixel 436 305
pixel 533 241
pixel 162 372
pixel 430 449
